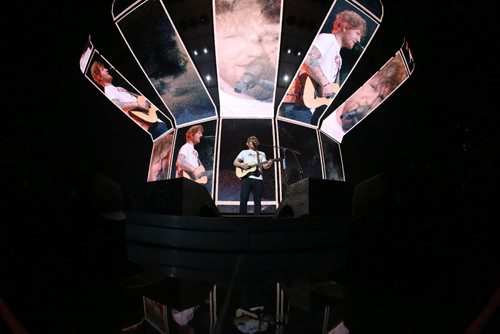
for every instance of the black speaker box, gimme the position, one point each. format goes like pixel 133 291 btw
pixel 180 197
pixel 316 197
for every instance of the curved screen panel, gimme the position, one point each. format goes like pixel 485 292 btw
pixel 126 97
pixel 367 98
pixel 247 37
pixel 157 47
pixel 345 34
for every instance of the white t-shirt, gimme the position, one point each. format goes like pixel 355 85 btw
pixel 330 61
pixel 191 155
pixel 118 93
pixel 244 108
pixel 123 95
pixel 250 157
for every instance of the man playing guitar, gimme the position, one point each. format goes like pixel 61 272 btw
pixel 318 81
pixel 137 107
pixel 251 182
pixel 188 162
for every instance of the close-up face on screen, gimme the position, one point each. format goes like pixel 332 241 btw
pixel 213 83
pixel 247 37
pixel 366 98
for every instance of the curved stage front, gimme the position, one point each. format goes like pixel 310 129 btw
pixel 220 248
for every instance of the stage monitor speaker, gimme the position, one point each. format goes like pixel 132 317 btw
pixel 180 197
pixel 316 197
pixel 370 194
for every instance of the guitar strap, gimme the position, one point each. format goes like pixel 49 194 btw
pixel 337 77
pixel 257 171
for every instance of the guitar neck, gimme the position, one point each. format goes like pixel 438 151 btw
pixel 264 162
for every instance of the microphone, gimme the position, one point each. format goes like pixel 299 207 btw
pixel 359 47
pixel 251 76
pixel 266 84
pixel 356 114
pixel 207 137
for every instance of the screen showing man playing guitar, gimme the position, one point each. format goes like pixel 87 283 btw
pixel 318 81
pixel 312 97
pixel 148 113
pixel 188 162
pixel 199 175
pixel 136 106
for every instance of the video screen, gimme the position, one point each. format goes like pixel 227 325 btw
pixel 247 40
pixel 367 98
pixel 155 43
pixel 124 96
pixel 301 157
pixel 332 56
pixel 334 169
pixel 161 158
pixel 234 135
pixel 194 154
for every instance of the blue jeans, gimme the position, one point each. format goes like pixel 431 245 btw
pixel 157 129
pixel 254 186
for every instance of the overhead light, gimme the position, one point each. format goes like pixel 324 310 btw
pixel 193 22
pixel 204 19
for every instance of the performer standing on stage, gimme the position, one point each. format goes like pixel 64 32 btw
pixel 250 164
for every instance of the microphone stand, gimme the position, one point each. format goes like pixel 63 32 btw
pixel 295 153
pixel 284 166
pixel 301 171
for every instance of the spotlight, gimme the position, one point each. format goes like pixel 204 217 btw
pixel 193 22
pixel 208 77
pixel 286 78
pixel 205 50
pixel 204 19
pixel 195 52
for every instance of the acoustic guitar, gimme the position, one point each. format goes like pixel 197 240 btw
pixel 241 173
pixel 204 174
pixel 310 96
pixel 150 116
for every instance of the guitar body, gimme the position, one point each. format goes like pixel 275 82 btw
pixel 203 179
pixel 310 96
pixel 150 116
pixel 241 173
